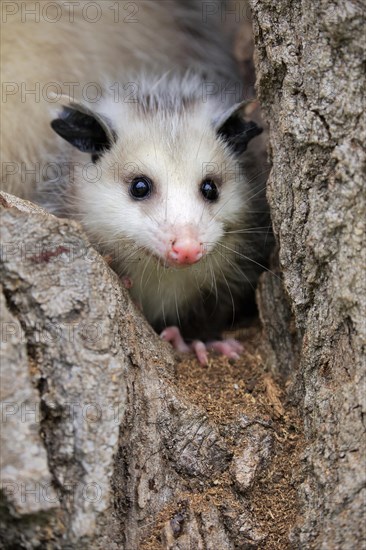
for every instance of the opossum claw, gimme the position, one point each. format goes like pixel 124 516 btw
pixel 173 335
pixel 200 350
pixel 230 347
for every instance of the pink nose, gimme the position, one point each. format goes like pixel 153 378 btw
pixel 185 251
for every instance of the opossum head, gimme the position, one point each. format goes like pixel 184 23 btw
pixel 166 178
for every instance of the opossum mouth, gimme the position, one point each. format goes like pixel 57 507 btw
pixel 171 265
pixel 166 263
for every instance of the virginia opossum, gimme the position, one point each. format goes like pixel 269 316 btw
pixel 154 166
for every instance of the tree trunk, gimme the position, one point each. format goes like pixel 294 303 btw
pixel 310 77
pixel 109 441
pixel 104 443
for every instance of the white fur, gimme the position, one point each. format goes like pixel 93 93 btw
pixel 36 52
pixel 173 147
pixel 168 134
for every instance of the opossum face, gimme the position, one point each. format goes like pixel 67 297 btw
pixel 168 187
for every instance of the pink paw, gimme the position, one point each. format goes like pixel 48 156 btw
pixel 230 348
pixel 127 282
pixel 173 335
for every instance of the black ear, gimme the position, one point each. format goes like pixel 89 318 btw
pixel 85 130
pixel 236 131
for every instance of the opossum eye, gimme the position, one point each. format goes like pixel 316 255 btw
pixel 141 187
pixel 209 190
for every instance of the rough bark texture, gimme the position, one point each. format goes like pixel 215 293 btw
pixel 108 442
pixel 101 447
pixel 310 61
pixel 70 339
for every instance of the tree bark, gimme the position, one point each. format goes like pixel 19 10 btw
pixel 72 341
pixel 109 442
pixel 310 76
pixel 103 446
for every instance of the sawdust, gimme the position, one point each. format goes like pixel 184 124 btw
pixel 227 390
